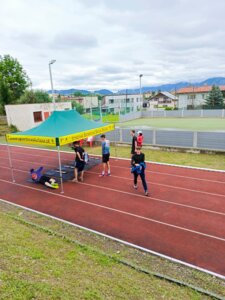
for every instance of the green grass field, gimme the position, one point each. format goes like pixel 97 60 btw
pixel 106 118
pixel 202 160
pixel 178 123
pixel 43 258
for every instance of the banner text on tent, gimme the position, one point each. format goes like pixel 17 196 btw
pixel 85 134
pixel 35 140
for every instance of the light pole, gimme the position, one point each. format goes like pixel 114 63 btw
pixel 140 76
pixel 50 72
pixel 91 108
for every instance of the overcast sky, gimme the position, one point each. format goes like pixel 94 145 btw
pixel 108 43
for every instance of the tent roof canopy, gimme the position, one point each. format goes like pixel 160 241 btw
pixel 61 128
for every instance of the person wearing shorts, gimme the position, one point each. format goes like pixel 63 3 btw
pixel 79 162
pixel 105 156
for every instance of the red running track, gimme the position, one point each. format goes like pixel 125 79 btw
pixel 184 217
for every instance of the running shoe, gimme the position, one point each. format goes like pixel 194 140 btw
pixel 135 186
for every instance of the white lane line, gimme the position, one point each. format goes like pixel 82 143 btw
pixel 175 175
pixel 123 158
pixel 174 260
pixel 117 211
pixel 121 167
pixel 152 183
pixel 169 186
pixel 138 195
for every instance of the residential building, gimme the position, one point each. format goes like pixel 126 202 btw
pixel 27 116
pixel 86 101
pixel 147 95
pixel 194 97
pixel 125 102
pixel 162 100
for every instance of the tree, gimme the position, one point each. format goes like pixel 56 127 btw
pixel 215 98
pixel 13 80
pixel 36 96
pixel 79 107
pixel 78 94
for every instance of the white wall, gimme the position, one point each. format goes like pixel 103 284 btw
pixel 21 115
pixel 184 101
pixel 90 101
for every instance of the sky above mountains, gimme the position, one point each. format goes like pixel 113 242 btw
pixel 107 44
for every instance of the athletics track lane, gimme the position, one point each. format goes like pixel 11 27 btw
pixel 133 218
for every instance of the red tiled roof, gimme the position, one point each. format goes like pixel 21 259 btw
pixel 199 89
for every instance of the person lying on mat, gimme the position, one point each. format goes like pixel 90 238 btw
pixel 37 177
pixel 138 169
pixel 79 162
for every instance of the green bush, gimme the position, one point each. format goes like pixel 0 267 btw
pixel 13 128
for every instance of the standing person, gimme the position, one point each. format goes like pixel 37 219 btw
pixel 105 156
pixel 140 139
pixel 138 163
pixel 134 142
pixel 79 162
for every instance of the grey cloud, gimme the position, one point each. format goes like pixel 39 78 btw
pixel 108 43
pixel 73 40
pixel 26 38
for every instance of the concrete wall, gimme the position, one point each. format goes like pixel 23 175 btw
pixel 22 115
pixel 185 139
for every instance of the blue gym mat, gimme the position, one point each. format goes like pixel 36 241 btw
pixel 68 170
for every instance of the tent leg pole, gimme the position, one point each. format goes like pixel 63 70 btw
pixel 10 163
pixel 115 142
pixel 60 170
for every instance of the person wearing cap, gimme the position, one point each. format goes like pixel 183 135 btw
pixel 138 169
pixel 140 139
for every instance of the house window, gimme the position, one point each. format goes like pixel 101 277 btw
pixel 37 116
pixel 192 96
pixel 111 101
pixel 136 99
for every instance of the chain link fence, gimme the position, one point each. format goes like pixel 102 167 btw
pixel 201 113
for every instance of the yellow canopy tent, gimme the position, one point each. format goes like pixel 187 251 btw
pixel 61 128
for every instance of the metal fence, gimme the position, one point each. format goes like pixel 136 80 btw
pixel 200 140
pixel 201 113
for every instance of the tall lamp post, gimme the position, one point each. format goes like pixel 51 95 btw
pixel 50 72
pixel 140 76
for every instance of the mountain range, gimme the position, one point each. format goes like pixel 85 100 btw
pixel 164 87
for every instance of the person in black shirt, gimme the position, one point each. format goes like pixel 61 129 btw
pixel 79 162
pixel 134 142
pixel 138 168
